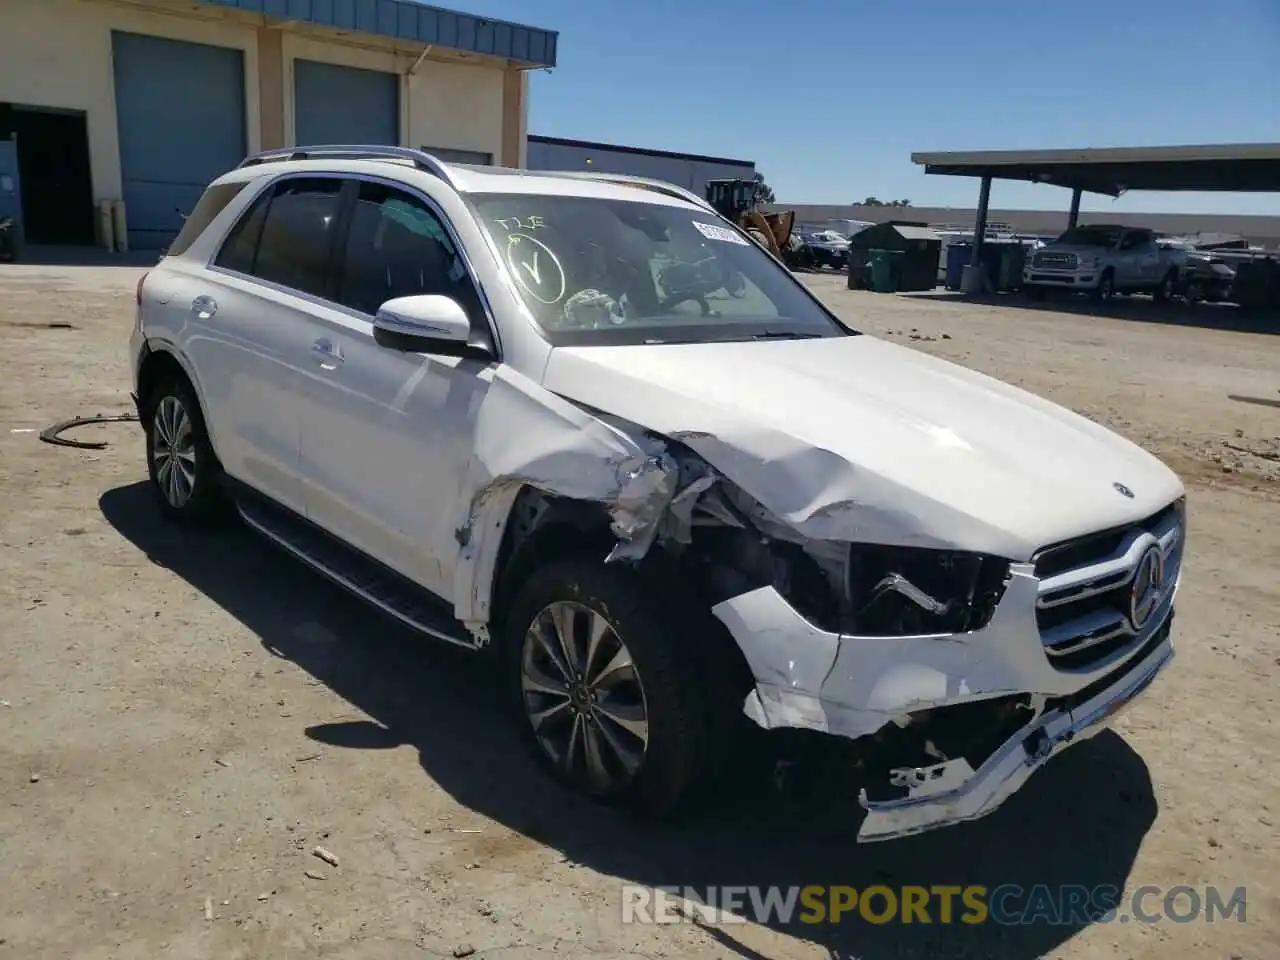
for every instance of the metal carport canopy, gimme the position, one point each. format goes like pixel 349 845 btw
pixel 1236 168
pixel 1242 167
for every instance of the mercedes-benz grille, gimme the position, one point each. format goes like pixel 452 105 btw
pixel 1108 591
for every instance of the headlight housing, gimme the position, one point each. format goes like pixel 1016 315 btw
pixel 909 591
pixel 868 590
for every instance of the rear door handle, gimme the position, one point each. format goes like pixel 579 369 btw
pixel 326 353
pixel 204 307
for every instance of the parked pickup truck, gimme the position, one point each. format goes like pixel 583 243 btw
pixel 1103 260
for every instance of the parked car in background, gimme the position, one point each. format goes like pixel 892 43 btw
pixel 1103 260
pixel 527 415
pixel 1203 275
pixel 825 248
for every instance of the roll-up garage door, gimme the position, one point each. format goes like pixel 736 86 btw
pixel 181 117
pixel 335 104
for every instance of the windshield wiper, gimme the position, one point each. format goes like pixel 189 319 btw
pixel 784 335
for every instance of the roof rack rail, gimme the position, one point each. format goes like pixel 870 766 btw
pixel 420 159
pixel 625 179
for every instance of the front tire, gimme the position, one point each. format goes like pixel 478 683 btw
pixel 1164 292
pixel 606 686
pixel 1033 292
pixel 184 470
pixel 1105 291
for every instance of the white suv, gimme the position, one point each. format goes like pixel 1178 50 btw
pixel 588 425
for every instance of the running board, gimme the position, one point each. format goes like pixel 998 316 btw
pixel 369 580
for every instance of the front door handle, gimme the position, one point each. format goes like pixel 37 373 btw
pixel 204 307
pixel 326 353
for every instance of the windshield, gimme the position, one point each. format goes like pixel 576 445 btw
pixel 596 271
pixel 1091 236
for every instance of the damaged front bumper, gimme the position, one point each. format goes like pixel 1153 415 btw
pixel 1005 771
pixel 904 697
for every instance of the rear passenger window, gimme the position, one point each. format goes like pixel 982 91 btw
pixel 397 247
pixel 211 203
pixel 297 235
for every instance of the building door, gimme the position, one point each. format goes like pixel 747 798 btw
pixel 335 104
pixel 56 187
pixel 180 109
pixel 10 184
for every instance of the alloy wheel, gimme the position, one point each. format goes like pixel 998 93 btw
pixel 583 696
pixel 174 451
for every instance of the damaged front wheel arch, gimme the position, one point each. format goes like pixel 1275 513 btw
pixel 546 530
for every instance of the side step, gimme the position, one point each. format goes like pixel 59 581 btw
pixel 366 578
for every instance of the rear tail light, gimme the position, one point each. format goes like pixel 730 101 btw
pixel 141 280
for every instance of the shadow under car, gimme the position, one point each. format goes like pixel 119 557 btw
pixel 1079 822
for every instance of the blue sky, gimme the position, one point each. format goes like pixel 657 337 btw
pixel 831 98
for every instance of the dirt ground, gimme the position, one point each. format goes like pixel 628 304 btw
pixel 184 719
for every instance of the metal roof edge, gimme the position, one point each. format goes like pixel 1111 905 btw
pixel 1086 155
pixel 415 22
pixel 639 151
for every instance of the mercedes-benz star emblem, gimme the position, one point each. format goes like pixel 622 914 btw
pixel 1148 587
pixel 1124 491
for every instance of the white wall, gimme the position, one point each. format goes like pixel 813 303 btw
pixel 459 107
pixel 690 174
pixel 57 53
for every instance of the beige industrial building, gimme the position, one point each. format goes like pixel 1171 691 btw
pixel 129 107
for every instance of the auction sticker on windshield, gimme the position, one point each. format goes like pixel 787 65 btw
pixel 713 232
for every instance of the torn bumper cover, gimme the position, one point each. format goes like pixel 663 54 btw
pixel 997 680
pixel 1005 771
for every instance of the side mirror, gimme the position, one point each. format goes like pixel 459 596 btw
pixel 426 323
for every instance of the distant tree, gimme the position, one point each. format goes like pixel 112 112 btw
pixel 873 202
pixel 764 192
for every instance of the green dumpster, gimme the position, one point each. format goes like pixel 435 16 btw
pixel 1011 262
pixel 886 270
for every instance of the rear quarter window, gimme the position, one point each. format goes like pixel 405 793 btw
pixel 212 203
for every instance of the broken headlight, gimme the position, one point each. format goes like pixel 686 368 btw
pixel 862 589
pixel 908 591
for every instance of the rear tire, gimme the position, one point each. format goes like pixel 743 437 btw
pixel 184 470
pixel 624 719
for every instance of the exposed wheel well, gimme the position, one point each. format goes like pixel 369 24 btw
pixel 156 367
pixel 545 528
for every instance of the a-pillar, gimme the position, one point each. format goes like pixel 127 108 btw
pixel 973 279
pixel 1074 217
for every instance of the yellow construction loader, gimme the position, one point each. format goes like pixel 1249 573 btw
pixel 736 200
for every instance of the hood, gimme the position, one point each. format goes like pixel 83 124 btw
pixel 854 438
